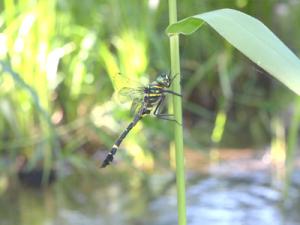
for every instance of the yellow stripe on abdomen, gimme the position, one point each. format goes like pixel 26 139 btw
pixel 154 94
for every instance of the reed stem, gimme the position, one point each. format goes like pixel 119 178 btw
pixel 177 104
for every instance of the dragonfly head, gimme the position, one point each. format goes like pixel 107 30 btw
pixel 164 80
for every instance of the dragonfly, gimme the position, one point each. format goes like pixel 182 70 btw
pixel 145 101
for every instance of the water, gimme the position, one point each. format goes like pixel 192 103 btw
pixel 242 198
pixel 231 200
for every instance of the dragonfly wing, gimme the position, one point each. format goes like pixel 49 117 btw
pixel 130 94
pixel 120 81
pixel 135 106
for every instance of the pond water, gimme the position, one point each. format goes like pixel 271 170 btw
pixel 216 198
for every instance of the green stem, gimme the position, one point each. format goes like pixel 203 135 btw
pixel 291 146
pixel 175 69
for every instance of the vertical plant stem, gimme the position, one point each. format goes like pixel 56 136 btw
pixel 291 146
pixel 175 69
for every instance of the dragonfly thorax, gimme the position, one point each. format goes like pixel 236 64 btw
pixel 152 95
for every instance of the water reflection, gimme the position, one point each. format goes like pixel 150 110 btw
pixel 236 198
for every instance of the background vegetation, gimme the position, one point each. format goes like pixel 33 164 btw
pixel 57 58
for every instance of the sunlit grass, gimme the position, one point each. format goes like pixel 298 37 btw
pixel 29 35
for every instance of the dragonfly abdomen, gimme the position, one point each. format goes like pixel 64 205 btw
pixel 110 156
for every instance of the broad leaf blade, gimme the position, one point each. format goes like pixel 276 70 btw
pixel 252 38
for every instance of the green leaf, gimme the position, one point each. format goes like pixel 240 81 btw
pixel 252 38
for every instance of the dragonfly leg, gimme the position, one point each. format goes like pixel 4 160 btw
pixel 169 117
pixel 171 92
pixel 163 116
pixel 173 78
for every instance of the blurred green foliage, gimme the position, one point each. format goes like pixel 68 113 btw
pixel 57 57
